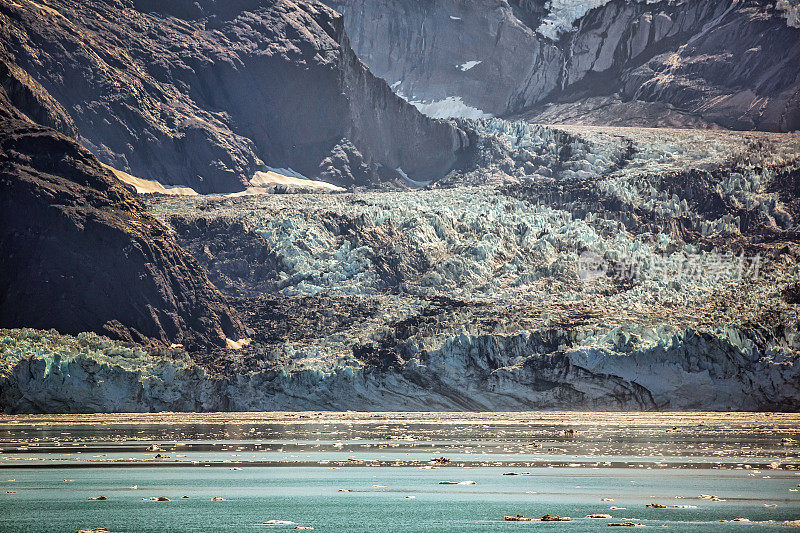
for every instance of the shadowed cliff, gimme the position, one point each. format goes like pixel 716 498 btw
pixel 78 251
pixel 205 94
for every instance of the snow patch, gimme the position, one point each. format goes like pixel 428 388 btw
pixel 450 107
pixel 468 65
pixel 144 186
pixel 262 182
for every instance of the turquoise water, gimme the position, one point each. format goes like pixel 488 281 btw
pixel 297 467
pixel 310 496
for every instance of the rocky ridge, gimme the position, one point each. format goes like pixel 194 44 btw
pixel 204 94
pixel 78 251
pixel 679 63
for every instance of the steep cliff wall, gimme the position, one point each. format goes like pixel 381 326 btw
pixel 423 49
pixel 206 93
pixel 78 251
pixel 625 62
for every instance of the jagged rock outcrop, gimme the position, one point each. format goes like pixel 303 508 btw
pixel 726 63
pixel 206 93
pixel 79 252
pixel 21 97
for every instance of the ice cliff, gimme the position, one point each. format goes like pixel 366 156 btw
pixel 620 368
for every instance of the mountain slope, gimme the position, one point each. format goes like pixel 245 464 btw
pixel 78 252
pixel 204 93
pixel 730 63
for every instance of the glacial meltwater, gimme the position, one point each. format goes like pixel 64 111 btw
pixel 421 472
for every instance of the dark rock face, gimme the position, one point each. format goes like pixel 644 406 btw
pixel 733 63
pixel 206 93
pixel 693 63
pixel 78 252
pixel 421 45
pixel 21 97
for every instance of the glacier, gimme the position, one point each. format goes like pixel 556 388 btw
pixel 467 293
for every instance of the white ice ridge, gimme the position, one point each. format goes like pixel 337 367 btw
pixel 468 65
pixel 450 107
pixel 563 13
